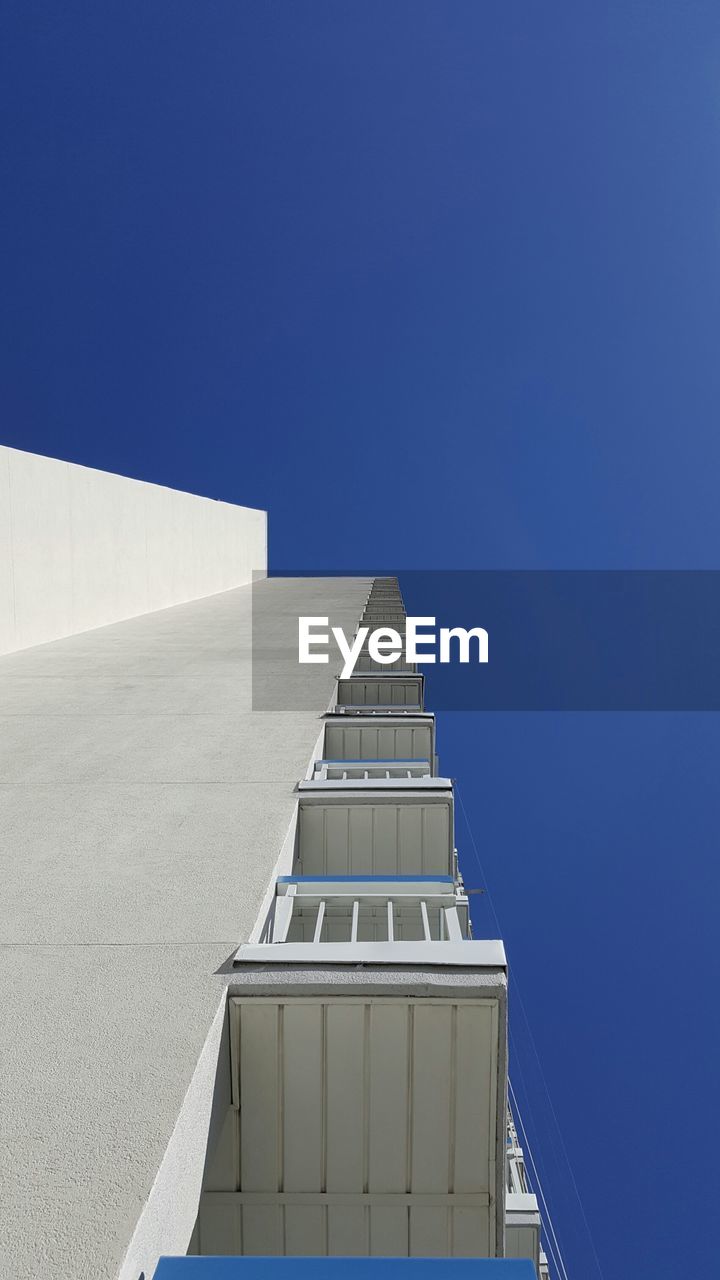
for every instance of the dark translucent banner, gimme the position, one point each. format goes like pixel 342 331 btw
pixel 557 640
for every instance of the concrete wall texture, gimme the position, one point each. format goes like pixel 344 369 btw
pixel 81 548
pixel 144 802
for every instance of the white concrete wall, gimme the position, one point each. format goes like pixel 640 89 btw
pixel 143 806
pixel 81 548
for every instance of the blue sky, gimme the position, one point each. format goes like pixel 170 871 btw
pixel 438 285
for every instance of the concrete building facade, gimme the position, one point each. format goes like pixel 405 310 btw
pixel 244 1013
pixel 81 548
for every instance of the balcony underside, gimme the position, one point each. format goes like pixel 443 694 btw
pixel 379 737
pixel 381 689
pixel 375 832
pixel 366 1121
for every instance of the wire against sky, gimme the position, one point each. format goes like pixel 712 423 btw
pixel 551 1234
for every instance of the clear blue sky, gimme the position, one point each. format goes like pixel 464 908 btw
pixel 438 285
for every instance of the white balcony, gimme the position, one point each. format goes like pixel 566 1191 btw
pixel 366 1071
pixel 330 775
pixel 380 691
pixel 380 615
pixel 372 770
pixel 365 1118
pixel 399 919
pixel 522 1215
pixel 522 1227
pixel 380 737
pixel 373 831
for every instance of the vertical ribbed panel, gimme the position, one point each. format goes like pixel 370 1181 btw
pixel 384 838
pixel 378 742
pixel 368 692
pixel 366 1127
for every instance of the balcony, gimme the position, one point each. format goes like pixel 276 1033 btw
pixel 366 1065
pixel 332 775
pixel 522 1227
pixel 380 736
pixel 385 608
pixel 415 920
pixel 365 1115
pixel 375 831
pixel 371 770
pixel 381 691
pixel 383 620
pixel 522 1214
pixel 378 615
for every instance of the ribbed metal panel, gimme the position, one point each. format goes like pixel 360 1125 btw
pixel 368 1111
pixel 363 1127
pixel 383 838
pixel 395 692
pixel 351 741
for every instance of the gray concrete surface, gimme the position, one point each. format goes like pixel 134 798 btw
pixel 143 804
pixel 81 548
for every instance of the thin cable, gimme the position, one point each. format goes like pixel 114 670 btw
pixel 546 1238
pixel 559 1133
pixel 538 1144
pixel 536 1183
pixel 488 894
pixel 559 1262
pixel 563 1147
pixel 541 1144
pixel 548 1222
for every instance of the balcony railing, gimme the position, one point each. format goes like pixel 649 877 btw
pixel 368 909
pixel 370 770
pixel 371 919
pixel 383 613
pixel 522 1215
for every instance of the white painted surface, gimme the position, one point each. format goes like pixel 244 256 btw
pixel 522 1227
pixel 143 806
pixel 382 739
pixel 365 1126
pixel 473 954
pixel 375 834
pixel 379 692
pixel 81 548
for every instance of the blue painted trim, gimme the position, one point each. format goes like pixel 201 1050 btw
pixel 274 1268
